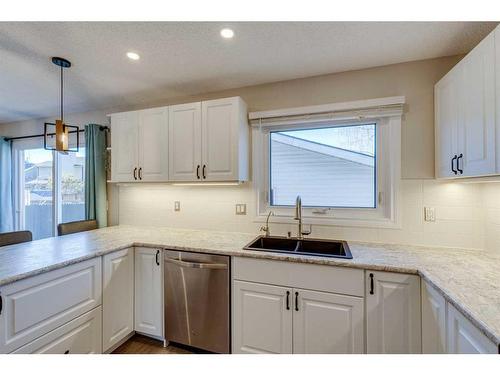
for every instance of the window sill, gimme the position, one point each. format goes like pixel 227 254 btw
pixel 333 221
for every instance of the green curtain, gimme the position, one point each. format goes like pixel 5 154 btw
pixel 95 174
pixel 6 211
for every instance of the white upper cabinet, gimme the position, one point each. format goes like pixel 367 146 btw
pixel 476 135
pixel 124 146
pixel 202 141
pixel 139 145
pixel 184 155
pixel 153 145
pixel 224 140
pixel 209 141
pixel 393 319
pixel 446 108
pixel 465 124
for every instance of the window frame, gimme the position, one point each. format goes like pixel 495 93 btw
pixel 386 214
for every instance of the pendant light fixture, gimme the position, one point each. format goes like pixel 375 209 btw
pixel 62 131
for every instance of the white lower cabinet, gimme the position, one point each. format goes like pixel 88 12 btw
pixel 118 297
pixel 433 320
pixel 393 319
pixel 148 291
pixel 262 318
pixel 37 305
pixel 327 323
pixel 464 338
pixel 275 319
pixel 82 335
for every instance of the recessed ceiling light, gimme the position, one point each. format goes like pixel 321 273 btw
pixel 227 33
pixel 133 56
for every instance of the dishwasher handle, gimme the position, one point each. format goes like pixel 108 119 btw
pixel 181 263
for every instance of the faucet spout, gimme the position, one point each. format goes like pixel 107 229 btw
pixel 298 216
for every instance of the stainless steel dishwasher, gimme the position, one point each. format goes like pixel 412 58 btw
pixel 197 300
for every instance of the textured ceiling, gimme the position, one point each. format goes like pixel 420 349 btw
pixel 179 59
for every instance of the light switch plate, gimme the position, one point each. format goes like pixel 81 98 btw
pixel 177 206
pixel 429 214
pixel 241 209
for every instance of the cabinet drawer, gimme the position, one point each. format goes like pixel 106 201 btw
pixel 35 306
pixel 341 280
pixel 80 336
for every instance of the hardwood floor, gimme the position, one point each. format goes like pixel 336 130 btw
pixel 144 345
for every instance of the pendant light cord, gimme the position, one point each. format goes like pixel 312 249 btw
pixel 62 88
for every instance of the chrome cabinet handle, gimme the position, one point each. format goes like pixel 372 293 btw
pixel 135 173
pixel 453 164
pixel 212 266
pixel 461 171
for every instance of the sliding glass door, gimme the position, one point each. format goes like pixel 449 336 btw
pixel 49 187
pixel 36 192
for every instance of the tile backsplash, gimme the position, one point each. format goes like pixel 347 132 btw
pixel 467 215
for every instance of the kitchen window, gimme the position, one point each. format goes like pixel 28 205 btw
pixel 49 187
pixel 328 167
pixel 344 164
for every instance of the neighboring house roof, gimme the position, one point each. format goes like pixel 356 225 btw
pixel 352 156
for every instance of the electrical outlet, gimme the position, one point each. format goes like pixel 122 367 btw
pixel 241 209
pixel 177 206
pixel 429 214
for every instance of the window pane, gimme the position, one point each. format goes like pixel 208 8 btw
pixel 37 192
pixel 72 186
pixel 328 167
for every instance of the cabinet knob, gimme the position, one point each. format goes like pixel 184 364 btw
pixel 66 352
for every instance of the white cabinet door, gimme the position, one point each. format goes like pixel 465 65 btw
pixel 327 323
pixel 184 142
pixel 118 297
pixel 446 103
pixel 148 291
pixel 464 338
pixel 82 335
pixel 262 318
pixel 37 305
pixel 124 146
pixel 393 319
pixel 476 136
pixel 433 321
pixel 153 144
pixel 220 139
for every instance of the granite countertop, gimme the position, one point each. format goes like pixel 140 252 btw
pixel 468 279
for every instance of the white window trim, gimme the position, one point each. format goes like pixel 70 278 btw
pixel 385 112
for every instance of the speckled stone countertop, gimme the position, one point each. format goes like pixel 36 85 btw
pixel 468 279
